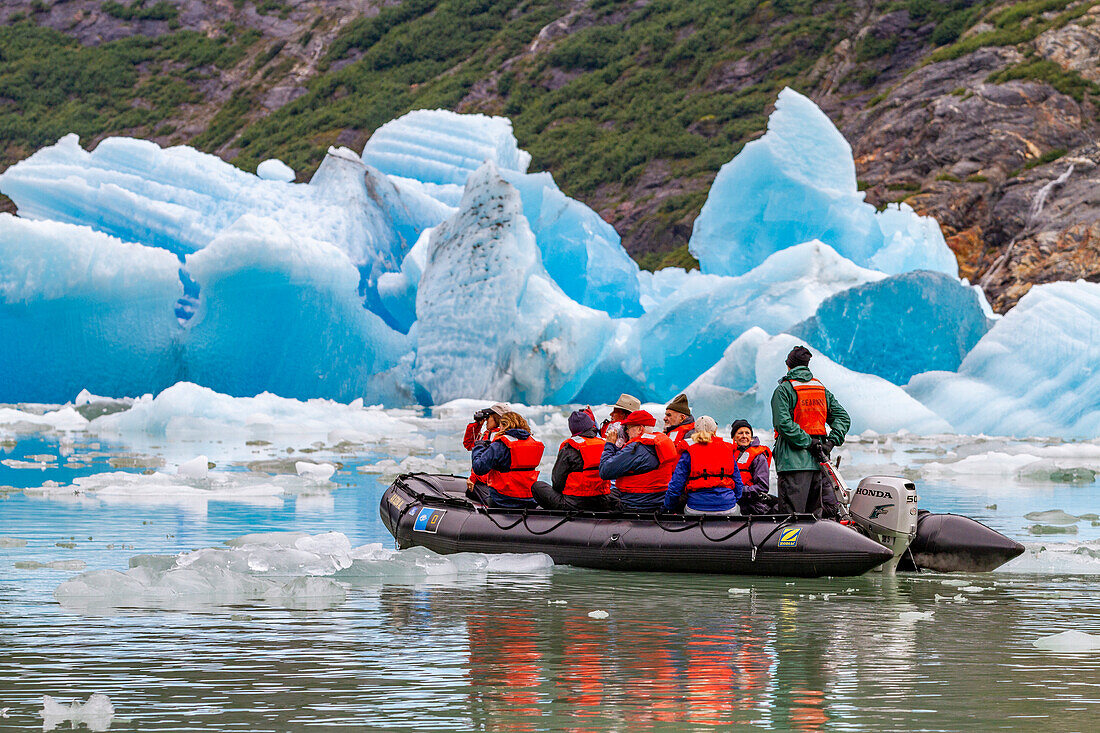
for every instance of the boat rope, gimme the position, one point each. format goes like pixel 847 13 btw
pixel 743 525
pixel 778 526
pixel 686 527
pixel 566 518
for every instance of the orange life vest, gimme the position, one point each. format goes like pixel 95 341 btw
pixel 525 455
pixel 811 407
pixel 586 482
pixel 649 482
pixel 712 464
pixel 745 459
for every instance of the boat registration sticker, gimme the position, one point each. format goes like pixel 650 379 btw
pixel 789 537
pixel 428 520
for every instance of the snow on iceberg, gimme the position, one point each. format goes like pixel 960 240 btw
pixel 687 331
pixel 432 153
pixel 282 313
pixel 490 321
pixel 899 326
pixel 740 385
pixel 1034 373
pixel 79 308
pixel 797 183
pixel 180 199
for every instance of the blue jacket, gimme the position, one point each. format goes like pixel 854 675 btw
pixel 493 455
pixel 716 499
pixel 632 458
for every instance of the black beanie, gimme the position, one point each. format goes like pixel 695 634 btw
pixel 799 356
pixel 738 424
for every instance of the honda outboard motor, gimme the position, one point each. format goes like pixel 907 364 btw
pixel 885 508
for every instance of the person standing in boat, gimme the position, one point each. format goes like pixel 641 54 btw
pixel 642 468
pixel 706 474
pixel 576 476
pixel 754 463
pixel 625 405
pixel 679 424
pixel 809 423
pixel 510 464
pixel 485 424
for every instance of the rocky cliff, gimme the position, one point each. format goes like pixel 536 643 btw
pixel 980 113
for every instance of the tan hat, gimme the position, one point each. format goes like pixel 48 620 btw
pixel 500 408
pixel 629 403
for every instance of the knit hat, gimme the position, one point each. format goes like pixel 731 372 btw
pixel 680 405
pixel 639 417
pixel 799 356
pixel 581 421
pixel 627 402
pixel 499 409
pixel 737 425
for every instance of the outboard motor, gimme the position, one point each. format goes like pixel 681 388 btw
pixel 885 508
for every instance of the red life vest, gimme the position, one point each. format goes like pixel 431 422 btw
pixel 745 459
pixel 649 482
pixel 811 407
pixel 678 435
pixel 586 482
pixel 525 455
pixel 712 464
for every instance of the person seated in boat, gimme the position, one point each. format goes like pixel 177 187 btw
pixel 510 464
pixel 576 476
pixel 485 424
pixel 679 423
pixel 706 474
pixel 754 462
pixel 625 405
pixel 641 469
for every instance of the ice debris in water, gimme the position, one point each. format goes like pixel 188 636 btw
pixel 196 468
pixel 1053 516
pixel 1052 529
pixel 70 565
pixel 315 471
pixel 1079 558
pixel 1068 641
pixel 739 591
pixel 96 713
pixel 913 616
pixel 9 542
pixel 598 614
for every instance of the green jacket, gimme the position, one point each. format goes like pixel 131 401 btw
pixel 792 441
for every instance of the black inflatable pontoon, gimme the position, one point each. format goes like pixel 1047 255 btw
pixel 951 542
pixel 432 511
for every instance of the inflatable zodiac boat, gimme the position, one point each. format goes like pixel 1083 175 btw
pixel 432 511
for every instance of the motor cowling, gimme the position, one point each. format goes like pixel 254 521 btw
pixel 885 508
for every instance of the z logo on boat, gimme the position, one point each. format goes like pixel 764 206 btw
pixel 428 520
pixel 789 537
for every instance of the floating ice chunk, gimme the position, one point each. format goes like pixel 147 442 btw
pixel 797 183
pixel 1079 558
pixel 307 592
pixel 315 471
pixel 197 468
pixel 83 309
pixel 1068 641
pixel 274 169
pixel 1052 529
pixel 739 591
pixel 294 300
pixel 70 565
pixel 1032 374
pixel 490 323
pixel 897 327
pixel 375 561
pixel 872 402
pixel 955 582
pixel 598 614
pixel 972 589
pixel 96 713
pixel 1052 516
pixel 7 543
pixel 914 616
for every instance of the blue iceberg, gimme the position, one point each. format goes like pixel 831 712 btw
pixel 898 327
pixel 797 183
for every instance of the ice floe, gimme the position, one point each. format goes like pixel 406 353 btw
pixel 1068 641
pixel 97 713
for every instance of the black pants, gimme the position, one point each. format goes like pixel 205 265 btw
pixel 550 499
pixel 807 492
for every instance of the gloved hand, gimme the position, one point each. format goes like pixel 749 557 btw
pixel 817 450
pixel 827 448
pixel 480 415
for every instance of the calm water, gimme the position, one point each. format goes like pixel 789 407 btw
pixel 519 651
